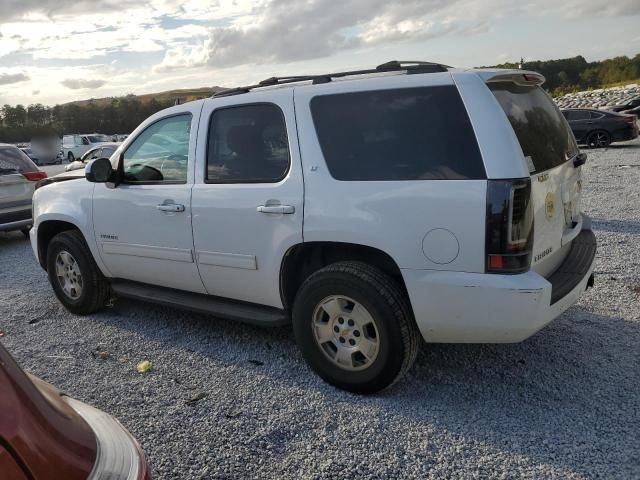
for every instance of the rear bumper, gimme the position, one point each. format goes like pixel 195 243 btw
pixel 625 134
pixel 460 307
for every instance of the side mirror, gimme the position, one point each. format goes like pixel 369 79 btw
pixel 99 170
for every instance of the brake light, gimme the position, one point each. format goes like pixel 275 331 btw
pixel 630 119
pixel 533 78
pixel 509 231
pixel 35 176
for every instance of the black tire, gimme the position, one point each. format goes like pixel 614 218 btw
pixel 381 296
pixel 599 139
pixel 70 157
pixel 96 290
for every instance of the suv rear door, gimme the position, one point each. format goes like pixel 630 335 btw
pixel 248 195
pixel 549 148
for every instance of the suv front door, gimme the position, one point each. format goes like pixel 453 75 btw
pixel 143 227
pixel 248 195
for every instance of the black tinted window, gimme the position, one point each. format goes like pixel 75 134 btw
pixel 247 144
pixel 579 115
pixel 540 127
pixel 13 160
pixel 402 134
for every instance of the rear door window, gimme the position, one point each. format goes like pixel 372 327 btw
pixel 401 134
pixel 13 160
pixel 247 144
pixel 541 129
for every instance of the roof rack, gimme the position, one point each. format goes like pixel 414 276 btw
pixel 392 66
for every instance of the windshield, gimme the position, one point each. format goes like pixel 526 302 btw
pixel 98 138
pixel 542 130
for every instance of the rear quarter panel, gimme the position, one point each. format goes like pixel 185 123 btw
pixel 393 216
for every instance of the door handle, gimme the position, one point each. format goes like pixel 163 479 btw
pixel 286 209
pixel 170 207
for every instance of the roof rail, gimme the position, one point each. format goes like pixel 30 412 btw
pixel 393 66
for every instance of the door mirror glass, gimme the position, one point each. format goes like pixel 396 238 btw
pixel 99 170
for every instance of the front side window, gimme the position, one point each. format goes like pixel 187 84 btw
pixel 579 115
pixel 160 153
pixel 247 144
pixel 401 134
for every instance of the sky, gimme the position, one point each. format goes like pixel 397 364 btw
pixel 55 51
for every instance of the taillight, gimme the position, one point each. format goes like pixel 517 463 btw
pixel 630 119
pixel 35 176
pixel 509 234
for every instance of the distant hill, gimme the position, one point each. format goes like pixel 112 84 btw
pixel 170 96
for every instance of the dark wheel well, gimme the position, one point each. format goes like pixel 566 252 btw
pixel 46 231
pixel 303 259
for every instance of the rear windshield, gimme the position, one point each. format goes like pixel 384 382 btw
pixel 402 134
pixel 541 129
pixel 13 160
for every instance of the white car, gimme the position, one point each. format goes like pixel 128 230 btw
pixel 368 208
pixel 74 146
pixel 101 150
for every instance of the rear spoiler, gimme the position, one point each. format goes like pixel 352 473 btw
pixel 520 77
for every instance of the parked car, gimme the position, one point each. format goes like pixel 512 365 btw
pixel 30 153
pixel 598 128
pixel 18 177
pixel 396 203
pixel 633 103
pixel 74 146
pixel 102 150
pixel 49 435
pixel 47 149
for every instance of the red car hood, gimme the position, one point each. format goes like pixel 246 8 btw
pixel 39 432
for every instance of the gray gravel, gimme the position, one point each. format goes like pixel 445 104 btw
pixel 563 404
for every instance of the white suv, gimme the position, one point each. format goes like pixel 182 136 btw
pixel 368 208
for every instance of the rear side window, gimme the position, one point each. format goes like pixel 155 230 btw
pixel 13 160
pixel 402 134
pixel 541 129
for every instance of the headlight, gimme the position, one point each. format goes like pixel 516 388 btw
pixel 118 455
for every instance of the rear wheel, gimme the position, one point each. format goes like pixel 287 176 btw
pixel 354 327
pixel 70 157
pixel 74 275
pixel 599 139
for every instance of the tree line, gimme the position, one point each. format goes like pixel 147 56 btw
pixel 123 114
pixel 576 74
pixel 21 123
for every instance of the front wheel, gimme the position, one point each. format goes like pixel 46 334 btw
pixel 70 157
pixel 354 327
pixel 76 279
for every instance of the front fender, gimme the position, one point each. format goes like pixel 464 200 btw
pixel 69 202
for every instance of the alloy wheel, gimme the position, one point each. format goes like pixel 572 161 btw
pixel 346 332
pixel 69 275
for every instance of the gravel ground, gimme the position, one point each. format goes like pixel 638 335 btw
pixel 563 404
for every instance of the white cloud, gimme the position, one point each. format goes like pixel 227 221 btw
pixel 7 78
